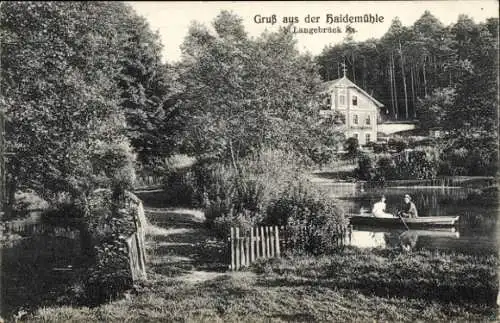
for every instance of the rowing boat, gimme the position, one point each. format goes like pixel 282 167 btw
pixel 424 221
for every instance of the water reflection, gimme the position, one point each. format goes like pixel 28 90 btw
pixel 40 264
pixel 475 233
pixel 365 237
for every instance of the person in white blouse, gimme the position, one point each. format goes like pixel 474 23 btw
pixel 379 209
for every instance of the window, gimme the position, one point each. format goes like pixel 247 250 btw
pixel 354 100
pixel 355 135
pixel 328 101
pixel 368 121
pixel 355 119
pixel 367 138
pixel 342 100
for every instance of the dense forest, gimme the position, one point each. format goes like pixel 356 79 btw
pixel 411 62
pixel 445 77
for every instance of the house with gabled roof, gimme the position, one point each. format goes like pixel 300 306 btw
pixel 358 111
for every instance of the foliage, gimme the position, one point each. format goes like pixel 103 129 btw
pixel 445 76
pixel 247 191
pixel 180 188
pixel 114 163
pixel 243 95
pixel 397 144
pixel 58 91
pixel 418 163
pixel 78 79
pixel 263 190
pixel 147 90
pixel 365 169
pixel 109 225
pixel 313 221
pixel 351 145
pixel 432 110
pixel 467 162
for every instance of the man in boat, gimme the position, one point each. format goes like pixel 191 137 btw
pixel 379 209
pixel 409 208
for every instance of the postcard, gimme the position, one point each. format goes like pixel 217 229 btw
pixel 329 161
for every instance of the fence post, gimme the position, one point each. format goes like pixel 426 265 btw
pixel 237 248
pixel 271 238
pixel 268 253
pixel 247 251
pixel 231 243
pixel 242 250
pixel 277 239
pixel 257 242
pixel 262 242
pixel 252 249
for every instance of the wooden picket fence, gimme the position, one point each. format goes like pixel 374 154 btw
pixel 262 242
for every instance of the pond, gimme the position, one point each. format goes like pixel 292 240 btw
pixel 475 233
pixel 41 263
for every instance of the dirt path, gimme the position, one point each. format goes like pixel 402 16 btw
pixel 180 246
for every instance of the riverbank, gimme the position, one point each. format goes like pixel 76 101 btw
pixel 354 285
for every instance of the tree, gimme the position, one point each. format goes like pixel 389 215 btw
pixel 244 94
pixel 60 63
pixel 432 110
pixel 473 121
pixel 147 88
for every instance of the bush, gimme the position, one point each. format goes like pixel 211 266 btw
pixel 259 178
pixel 267 188
pixel 314 223
pixel 351 146
pixel 322 155
pixel 365 170
pixel 109 223
pixel 180 188
pixel 114 164
pixel 421 163
pixel 397 144
pixel 244 221
pixel 386 168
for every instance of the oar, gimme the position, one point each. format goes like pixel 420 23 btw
pixel 399 214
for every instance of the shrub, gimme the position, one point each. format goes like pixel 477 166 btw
pixel 266 188
pixel 244 221
pixel 314 223
pixel 114 164
pixel 180 187
pixel 365 170
pixel 397 144
pixel 386 168
pixel 421 163
pixel 351 146
pixel 108 225
pixel 322 155
pixel 259 178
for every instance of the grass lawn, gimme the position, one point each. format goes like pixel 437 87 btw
pixel 355 285
pixel 188 282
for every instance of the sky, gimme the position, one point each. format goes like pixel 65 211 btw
pixel 172 19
